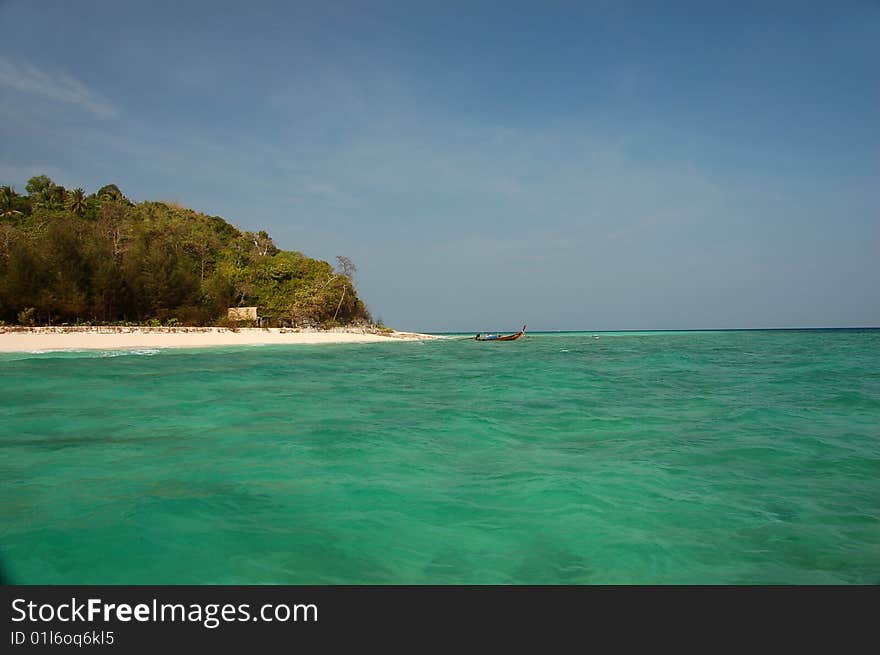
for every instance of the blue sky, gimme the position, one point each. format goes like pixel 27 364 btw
pixel 589 165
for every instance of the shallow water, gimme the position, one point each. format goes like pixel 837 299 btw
pixel 696 457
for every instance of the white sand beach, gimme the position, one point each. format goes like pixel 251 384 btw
pixel 113 338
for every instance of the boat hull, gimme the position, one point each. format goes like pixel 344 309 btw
pixel 503 337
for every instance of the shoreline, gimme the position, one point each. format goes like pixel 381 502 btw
pixel 31 339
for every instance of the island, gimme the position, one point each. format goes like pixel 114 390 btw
pixel 97 270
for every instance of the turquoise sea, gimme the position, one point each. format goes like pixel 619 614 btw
pixel 748 457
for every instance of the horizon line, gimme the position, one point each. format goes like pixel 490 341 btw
pixel 739 329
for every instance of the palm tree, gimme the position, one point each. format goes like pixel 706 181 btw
pixel 7 202
pixel 76 202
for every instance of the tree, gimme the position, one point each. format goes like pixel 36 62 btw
pixel 114 226
pixel 166 279
pixel 346 270
pixel 263 243
pixel 24 279
pixel 106 282
pixel 67 271
pixel 202 243
pixel 111 192
pixel 346 267
pixel 44 193
pixel 7 202
pixel 37 184
pixel 76 202
pixel 51 198
pixel 8 234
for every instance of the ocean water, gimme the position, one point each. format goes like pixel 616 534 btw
pixel 573 458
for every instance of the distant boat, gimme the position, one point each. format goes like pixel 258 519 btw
pixel 500 337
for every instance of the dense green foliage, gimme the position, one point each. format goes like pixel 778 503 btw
pixel 68 257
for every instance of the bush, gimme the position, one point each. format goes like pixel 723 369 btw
pixel 235 325
pixel 27 316
pixel 193 315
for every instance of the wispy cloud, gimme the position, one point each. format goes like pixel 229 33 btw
pixel 60 87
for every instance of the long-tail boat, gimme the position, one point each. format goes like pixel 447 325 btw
pixel 500 337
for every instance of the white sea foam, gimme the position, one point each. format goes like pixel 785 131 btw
pixel 144 352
